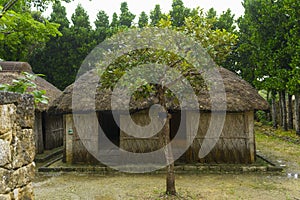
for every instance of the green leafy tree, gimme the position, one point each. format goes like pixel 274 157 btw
pixel 211 14
pixel 114 21
pixel 80 18
pixel 114 25
pixel 126 62
pixel 155 15
pixel 64 55
pixel 293 49
pixel 22 31
pixel 226 21
pixel 143 20
pixel 82 41
pixel 244 55
pixel 178 13
pixel 266 30
pixel 216 42
pixel 102 26
pixel 59 15
pixel 53 60
pixel 126 17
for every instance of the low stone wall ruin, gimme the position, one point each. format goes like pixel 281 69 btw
pixel 17 149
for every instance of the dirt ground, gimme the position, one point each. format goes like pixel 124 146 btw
pixel 73 186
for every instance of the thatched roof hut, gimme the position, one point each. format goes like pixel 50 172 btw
pixel 12 70
pixel 240 96
pixel 235 144
pixel 48 129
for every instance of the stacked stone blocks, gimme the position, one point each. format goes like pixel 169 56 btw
pixel 17 148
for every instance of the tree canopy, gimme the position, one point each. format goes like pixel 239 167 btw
pixel 23 30
pixel 262 46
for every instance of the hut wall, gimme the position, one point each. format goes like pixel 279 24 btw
pixel 68 138
pixel 139 144
pixel 38 132
pixel 235 145
pixel 76 151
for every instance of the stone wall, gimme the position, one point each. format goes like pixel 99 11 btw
pixel 17 148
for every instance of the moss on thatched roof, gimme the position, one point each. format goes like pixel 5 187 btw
pixel 240 96
pixel 12 70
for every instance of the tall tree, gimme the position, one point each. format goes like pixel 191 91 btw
pixel 62 56
pixel 102 20
pixel 143 20
pixel 217 44
pixel 211 14
pixel 102 26
pixel 126 17
pixel 246 56
pixel 292 11
pixel 178 13
pixel 80 18
pixel 267 33
pixel 155 15
pixel 59 15
pixel 53 60
pixel 81 40
pixel 114 21
pixel 215 41
pixel 226 21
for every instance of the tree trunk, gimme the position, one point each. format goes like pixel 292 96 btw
pixel 274 112
pixel 170 160
pixel 280 119
pixel 290 112
pixel 283 111
pixel 268 114
pixel 297 113
pixel 170 180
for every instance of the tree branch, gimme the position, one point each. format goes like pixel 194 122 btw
pixel 7 6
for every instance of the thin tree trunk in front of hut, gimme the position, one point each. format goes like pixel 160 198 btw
pixel 283 110
pixel 290 112
pixel 170 180
pixel 274 113
pixel 268 112
pixel 297 113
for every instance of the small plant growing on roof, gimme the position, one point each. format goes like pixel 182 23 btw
pixel 25 85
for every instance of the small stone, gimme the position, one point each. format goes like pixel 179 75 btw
pixel 25 111
pixel 5 153
pixel 5 197
pixel 23 148
pixel 23 176
pixel 26 193
pixel 5 177
pixel 7 116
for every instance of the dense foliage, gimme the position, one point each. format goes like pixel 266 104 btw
pixel 262 46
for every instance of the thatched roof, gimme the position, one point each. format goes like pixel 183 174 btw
pixel 240 96
pixel 12 70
